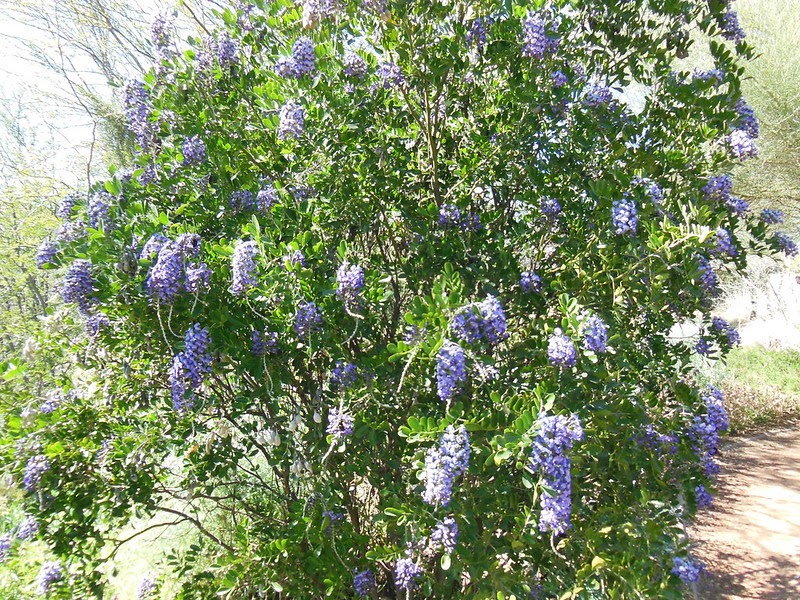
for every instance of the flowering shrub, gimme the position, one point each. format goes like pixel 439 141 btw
pixel 383 308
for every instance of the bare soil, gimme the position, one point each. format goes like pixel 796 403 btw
pixel 750 538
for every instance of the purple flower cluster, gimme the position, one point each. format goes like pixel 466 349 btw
pixel 266 197
pixel 146 590
pixel 741 145
pixel 445 535
pixel 363 583
pixel 706 428
pixel 340 423
pixel 771 216
pixel 708 276
pixel 264 342
pixel 702 497
pixel 153 246
pixel 718 188
pixel 292 120
pixel 597 95
pixel 227 49
pixel 350 282
pixel 70 231
pixel 787 244
pixel 190 367
pixel 343 375
pixel 166 276
pixel 78 285
pixel 96 322
pixel 194 151
pixel 451 369
pixel 623 216
pixel 484 321
pixel 49 573
pixel 5 546
pixel 559 78
pixel 529 281
pixel 391 75
pixel 46 253
pixel 67 205
pixel 294 259
pixel 406 573
pixel 595 334
pixel 555 436
pixel 244 267
pixel 561 351
pixel 355 65
pixel 476 34
pixel 703 347
pixel 300 63
pixel 35 469
pixel 662 442
pixel 724 244
pixel 687 569
pixel 198 278
pixel 550 207
pixel 721 326
pixel 747 118
pixel 242 200
pixel 307 320
pixel 98 210
pixel 450 217
pixel 28 528
pixel 136 106
pixel 535 41
pixel 731 29
pixel 444 463
pixel 51 402
pixel 160 35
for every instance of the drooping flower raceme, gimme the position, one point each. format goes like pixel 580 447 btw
pixel 98 210
pixel 340 423
pixel 166 277
pixel 623 216
pixel 444 463
pixel 406 573
pixel 363 583
pixel 484 321
pixel 350 282
pixel 741 145
pixel 595 334
pixel 28 528
pixel 307 320
pixel 146 590
pixel 194 151
pixel 445 535
pixel 787 244
pixel 264 342
pixel 343 375
pixel 556 435
pixel 79 285
pixel 46 253
pixel 35 469
pixel 561 351
pixel 687 569
pixel 451 369
pixel 49 573
pixel 291 120
pixel 190 367
pixel 529 281
pixel 244 267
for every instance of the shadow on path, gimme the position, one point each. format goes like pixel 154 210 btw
pixel 750 539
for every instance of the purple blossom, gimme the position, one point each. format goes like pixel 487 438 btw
pixel 476 34
pixel 98 209
pixel 285 67
pixel 703 347
pixel 708 276
pixel 731 30
pixel 166 277
pixel 159 33
pixel 718 188
pixel 153 246
pixel 95 323
pixel 295 259
pixel 350 282
pixel 534 37
pixel 189 244
pixel 451 370
pixel 5 546
pixel 561 351
pixel 70 231
pixel 450 216
pixel 198 278
pixel 623 216
pixel 35 469
pixel 343 375
pixel 484 321
pixel 529 281
pixel 227 49
pixel 244 267
pixel 190 367
pixel 79 285
pixel 340 423
pixel 747 120
pixel 355 65
pixel 307 320
pixel 67 206
pixel 445 535
pixel 595 334
pixel 444 463
pixel 597 95
pixel 49 573
pixel 242 200
pixel 51 402
pixel 137 109
pixel 559 79
pixel 146 590
pixel 406 573
pixel 741 145
pixel 391 74
pixel 724 328
pixel 550 207
pixel 555 436
pixel 687 569
pixel 194 151
pixel 46 253
pixel 771 216
pixel 292 119
pixel 706 428
pixel 702 497
pixel 266 197
pixel 264 342
pixel 303 56
pixel 28 528
pixel 724 244
pixel 787 244
pixel 363 583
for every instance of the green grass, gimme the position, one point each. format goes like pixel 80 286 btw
pixel 761 387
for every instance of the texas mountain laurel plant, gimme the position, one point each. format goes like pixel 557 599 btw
pixel 383 309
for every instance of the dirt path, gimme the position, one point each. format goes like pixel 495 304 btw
pixel 750 539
